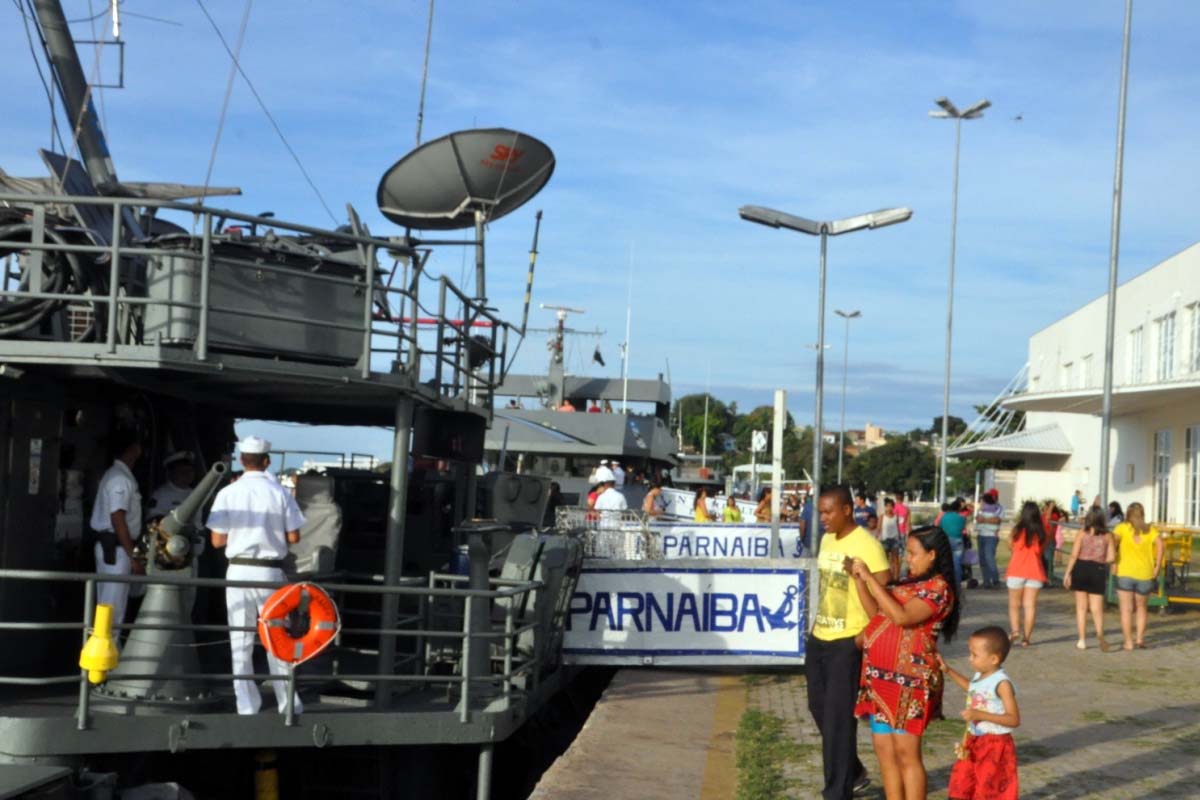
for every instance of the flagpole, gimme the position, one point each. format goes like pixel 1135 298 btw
pixel 628 320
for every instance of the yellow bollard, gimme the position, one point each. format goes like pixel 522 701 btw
pixel 266 776
pixel 99 654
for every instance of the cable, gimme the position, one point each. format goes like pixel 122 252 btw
pixel 212 156
pixel 54 130
pixel 267 112
pixel 424 74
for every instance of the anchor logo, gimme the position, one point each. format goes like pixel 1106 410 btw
pixel 779 618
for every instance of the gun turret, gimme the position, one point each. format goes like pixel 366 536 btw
pixel 170 539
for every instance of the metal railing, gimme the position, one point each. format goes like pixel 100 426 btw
pixel 506 680
pixel 464 363
pixel 610 534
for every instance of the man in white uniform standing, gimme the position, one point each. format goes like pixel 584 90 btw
pixel 181 474
pixel 254 520
pixel 117 521
pixel 610 498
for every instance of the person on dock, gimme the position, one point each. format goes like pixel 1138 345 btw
pixel 900 685
pixel 1140 551
pixel 987 765
pixel 608 497
pixel 890 536
pixel 117 521
pixel 254 520
pixel 1026 573
pixel 987 536
pixel 1087 575
pixel 833 658
pixel 700 512
pixel 762 511
pixel 731 513
pixel 653 504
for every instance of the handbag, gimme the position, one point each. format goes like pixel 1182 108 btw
pixel 970 558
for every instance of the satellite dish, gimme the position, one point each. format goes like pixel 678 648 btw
pixel 444 182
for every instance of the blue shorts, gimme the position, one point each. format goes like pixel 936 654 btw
pixel 883 729
pixel 1134 585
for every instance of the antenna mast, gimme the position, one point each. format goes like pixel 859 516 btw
pixel 425 73
pixel 558 389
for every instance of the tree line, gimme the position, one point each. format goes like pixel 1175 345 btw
pixel 901 464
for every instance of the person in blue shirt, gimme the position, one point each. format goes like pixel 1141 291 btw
pixel 1076 503
pixel 954 524
pixel 862 510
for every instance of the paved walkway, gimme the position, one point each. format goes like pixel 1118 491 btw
pixel 1094 725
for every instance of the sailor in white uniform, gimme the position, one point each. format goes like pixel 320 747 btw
pixel 117 521
pixel 254 519
pixel 610 498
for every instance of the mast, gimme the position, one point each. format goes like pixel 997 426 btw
pixel 75 94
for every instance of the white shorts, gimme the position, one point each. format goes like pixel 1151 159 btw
pixel 1023 583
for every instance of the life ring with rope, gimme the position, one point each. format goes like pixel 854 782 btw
pixel 297 622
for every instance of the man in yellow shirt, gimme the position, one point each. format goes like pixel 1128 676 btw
pixel 833 660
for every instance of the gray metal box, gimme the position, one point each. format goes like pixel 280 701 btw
pixel 237 286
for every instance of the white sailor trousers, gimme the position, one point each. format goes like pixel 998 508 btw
pixel 113 594
pixel 243 605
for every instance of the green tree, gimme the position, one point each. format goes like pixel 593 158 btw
pixel 955 427
pixel 690 409
pixel 898 465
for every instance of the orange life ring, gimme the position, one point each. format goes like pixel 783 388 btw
pixel 278 633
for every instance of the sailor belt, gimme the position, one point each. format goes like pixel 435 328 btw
pixel 245 561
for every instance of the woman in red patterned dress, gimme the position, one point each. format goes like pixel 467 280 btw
pixel 901 685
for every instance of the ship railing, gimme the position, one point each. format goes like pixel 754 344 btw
pixel 514 671
pixel 610 534
pixel 468 354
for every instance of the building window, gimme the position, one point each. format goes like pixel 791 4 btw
pixel 1135 354
pixel 1064 380
pixel 1166 346
pixel 1193 475
pixel 1194 338
pixel 1162 475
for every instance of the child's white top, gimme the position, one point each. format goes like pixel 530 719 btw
pixel 982 695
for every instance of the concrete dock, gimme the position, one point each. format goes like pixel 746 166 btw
pixel 1094 725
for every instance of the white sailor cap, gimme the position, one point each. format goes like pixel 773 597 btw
pixel 178 456
pixel 253 445
pixel 604 475
pixel 604 461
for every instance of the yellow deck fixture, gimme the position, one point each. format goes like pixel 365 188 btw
pixel 99 654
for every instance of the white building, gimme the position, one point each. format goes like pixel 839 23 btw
pixel 1155 444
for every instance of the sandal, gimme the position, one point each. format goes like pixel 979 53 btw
pixel 1025 642
pixel 1012 637
pixel 1104 645
pixel 1140 645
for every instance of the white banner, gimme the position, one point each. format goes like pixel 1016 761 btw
pixel 720 540
pixel 634 612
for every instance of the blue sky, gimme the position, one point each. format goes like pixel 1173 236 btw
pixel 665 117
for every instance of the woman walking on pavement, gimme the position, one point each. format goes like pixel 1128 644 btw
pixel 987 534
pixel 901 685
pixel 1087 575
pixel 1026 573
pixel 1139 560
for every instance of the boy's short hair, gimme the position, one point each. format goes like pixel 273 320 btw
pixel 995 639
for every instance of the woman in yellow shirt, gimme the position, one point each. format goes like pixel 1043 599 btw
pixel 700 506
pixel 1139 560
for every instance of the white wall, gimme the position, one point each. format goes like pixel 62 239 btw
pixel 1173 285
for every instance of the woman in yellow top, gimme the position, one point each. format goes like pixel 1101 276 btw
pixel 732 513
pixel 700 506
pixel 1139 560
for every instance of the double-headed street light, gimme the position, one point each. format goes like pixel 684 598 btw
pixel 846 315
pixel 779 219
pixel 948 110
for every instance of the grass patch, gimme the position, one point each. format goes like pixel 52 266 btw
pixel 762 747
pixel 1094 715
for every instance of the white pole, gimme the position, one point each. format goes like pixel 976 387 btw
pixel 704 435
pixel 845 369
pixel 949 315
pixel 1113 254
pixel 628 322
pixel 777 468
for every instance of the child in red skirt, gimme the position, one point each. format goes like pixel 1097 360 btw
pixel 987 765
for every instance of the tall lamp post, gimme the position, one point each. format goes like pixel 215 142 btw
pixel 1114 250
pixel 780 219
pixel 948 110
pixel 846 315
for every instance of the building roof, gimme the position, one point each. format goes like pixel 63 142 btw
pixel 1043 440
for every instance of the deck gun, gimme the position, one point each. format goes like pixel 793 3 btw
pixel 172 538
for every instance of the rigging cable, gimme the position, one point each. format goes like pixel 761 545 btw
pixel 97 75
pixel 263 106
pixel 212 156
pixel 37 62
pixel 424 73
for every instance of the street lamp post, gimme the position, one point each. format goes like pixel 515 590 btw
pixel 846 315
pixel 949 111
pixel 780 219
